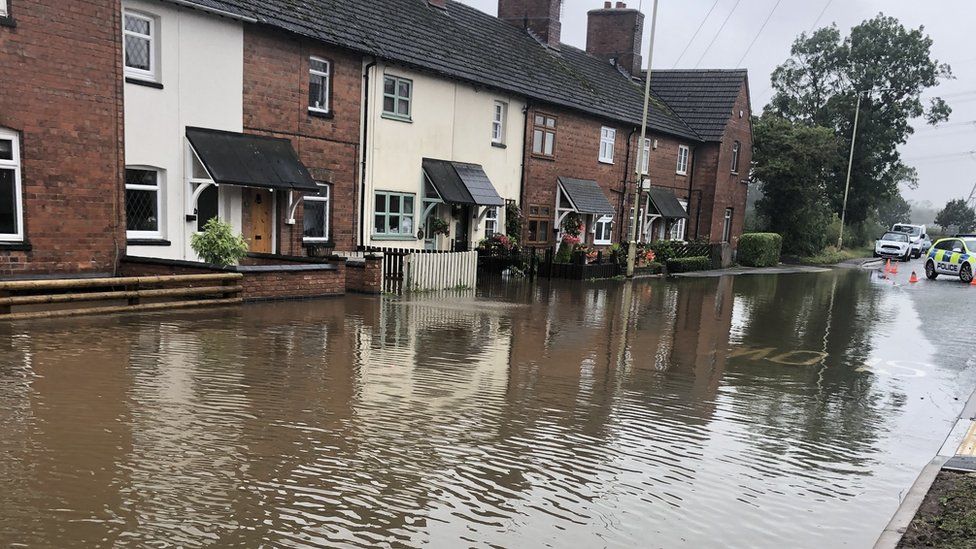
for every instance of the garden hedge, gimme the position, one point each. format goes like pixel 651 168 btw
pixel 760 249
pixel 689 264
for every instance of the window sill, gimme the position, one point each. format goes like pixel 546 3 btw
pixel 404 237
pixel 147 242
pixel 141 82
pixel 15 247
pixel 685 174
pixel 499 145
pixel 397 118
pixel 550 158
pixel 320 114
pixel 604 161
pixel 7 21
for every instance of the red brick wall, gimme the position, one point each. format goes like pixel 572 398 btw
pixel 276 103
pixel 616 33
pixel 365 277
pixel 61 89
pixel 577 150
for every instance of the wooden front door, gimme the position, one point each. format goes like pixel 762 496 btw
pixel 259 219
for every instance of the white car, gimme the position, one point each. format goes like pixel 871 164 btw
pixel 916 236
pixel 894 246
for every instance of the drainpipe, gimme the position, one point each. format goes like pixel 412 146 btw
pixel 523 200
pixel 362 169
pixel 691 185
pixel 623 192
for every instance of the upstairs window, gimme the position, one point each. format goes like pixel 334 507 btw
pixel 499 115
pixel 683 153
pixel 397 97
pixel 607 138
pixel 544 135
pixel 735 156
pixel 318 85
pixel 142 203
pixel 316 216
pixel 140 45
pixel 11 200
pixel 646 158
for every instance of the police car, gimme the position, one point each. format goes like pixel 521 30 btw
pixel 952 256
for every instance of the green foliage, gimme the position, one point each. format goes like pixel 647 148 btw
pixel 438 226
pixel 514 221
pixel 792 160
pixel 957 214
pixel 894 210
pixel 760 249
pixel 218 245
pixel 572 224
pixel 688 264
pixel 820 84
pixel 665 250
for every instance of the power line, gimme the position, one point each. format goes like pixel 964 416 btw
pixel 964 154
pixel 758 34
pixel 717 34
pixel 819 17
pixel 698 30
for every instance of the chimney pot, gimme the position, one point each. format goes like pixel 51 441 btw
pixel 616 35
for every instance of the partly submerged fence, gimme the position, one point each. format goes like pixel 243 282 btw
pixel 426 272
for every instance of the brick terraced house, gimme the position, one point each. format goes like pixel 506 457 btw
pixel 407 123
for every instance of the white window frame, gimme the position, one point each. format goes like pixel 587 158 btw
pixel 326 190
pixel 160 215
pixel 608 138
pixel 684 153
pixel 153 73
pixel 678 227
pixel 603 230
pixel 413 215
pixel 491 221
pixel 326 85
pixel 397 80
pixel 736 148
pixel 14 165
pixel 498 119
pixel 4 11
pixel 646 157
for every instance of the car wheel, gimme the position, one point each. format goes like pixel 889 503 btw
pixel 930 270
pixel 966 273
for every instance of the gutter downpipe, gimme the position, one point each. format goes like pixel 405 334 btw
pixel 525 143
pixel 691 189
pixel 362 168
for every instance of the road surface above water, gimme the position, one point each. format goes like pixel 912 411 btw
pixel 759 411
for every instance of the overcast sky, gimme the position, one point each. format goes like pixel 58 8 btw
pixel 946 168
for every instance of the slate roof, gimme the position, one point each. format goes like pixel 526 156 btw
pixel 702 98
pixel 465 43
pixel 666 203
pixel 250 160
pixel 461 183
pixel 586 195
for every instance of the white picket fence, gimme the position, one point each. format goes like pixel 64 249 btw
pixel 428 272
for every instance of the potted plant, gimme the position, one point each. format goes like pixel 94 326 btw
pixel 319 249
pixel 438 226
pixel 218 245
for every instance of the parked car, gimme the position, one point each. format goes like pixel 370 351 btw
pixel 893 245
pixel 926 244
pixel 916 233
pixel 954 257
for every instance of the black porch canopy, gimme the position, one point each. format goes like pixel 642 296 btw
pixel 461 183
pixel 666 203
pixel 250 160
pixel 586 196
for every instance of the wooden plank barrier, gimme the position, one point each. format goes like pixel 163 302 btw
pixel 193 291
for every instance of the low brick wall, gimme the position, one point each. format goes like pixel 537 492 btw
pixel 264 279
pixel 365 275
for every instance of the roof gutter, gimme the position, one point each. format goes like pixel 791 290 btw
pixel 213 11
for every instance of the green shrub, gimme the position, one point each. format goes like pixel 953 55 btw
pixel 689 264
pixel 760 249
pixel 218 245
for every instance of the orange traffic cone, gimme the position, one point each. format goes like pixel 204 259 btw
pixel 973 283
pixel 913 279
pixel 894 268
pixel 888 266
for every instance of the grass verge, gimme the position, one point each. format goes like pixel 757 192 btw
pixel 947 517
pixel 832 255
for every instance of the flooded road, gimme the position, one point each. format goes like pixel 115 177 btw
pixel 756 411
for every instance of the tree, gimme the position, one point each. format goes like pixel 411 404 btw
pixel 894 210
pixel 820 84
pixel 791 161
pixel 957 214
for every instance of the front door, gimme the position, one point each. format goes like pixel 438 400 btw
pixel 462 233
pixel 259 220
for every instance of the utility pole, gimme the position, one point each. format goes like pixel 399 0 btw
pixel 635 193
pixel 850 164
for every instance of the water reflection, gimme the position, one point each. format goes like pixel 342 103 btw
pixel 598 414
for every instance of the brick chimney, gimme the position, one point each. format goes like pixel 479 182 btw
pixel 541 17
pixel 615 33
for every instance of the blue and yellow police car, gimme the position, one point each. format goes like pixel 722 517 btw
pixel 952 256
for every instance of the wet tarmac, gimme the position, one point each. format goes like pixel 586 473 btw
pixel 758 411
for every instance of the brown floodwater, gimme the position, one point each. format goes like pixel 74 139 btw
pixel 750 412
